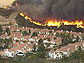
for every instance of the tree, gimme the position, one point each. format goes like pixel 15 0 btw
pixel 8 31
pixel 76 55
pixel 48 39
pixel 64 41
pixel 41 48
pixel 40 41
pixel 6 13
pixel 57 34
pixel 34 34
pixel 41 54
pixel 77 39
pixel 14 3
pixel 34 47
pixel 41 51
pixel 24 33
pixel 83 36
pixel 10 23
pixel 29 31
pixel 1 30
pixel 79 48
pixel 50 32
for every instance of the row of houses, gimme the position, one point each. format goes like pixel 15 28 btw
pixel 25 44
pixel 17 48
pixel 66 50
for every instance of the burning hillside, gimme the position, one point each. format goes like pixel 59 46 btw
pixel 58 23
pixel 23 20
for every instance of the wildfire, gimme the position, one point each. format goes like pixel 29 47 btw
pixel 78 23
pixel 53 23
pixel 28 18
pixel 57 23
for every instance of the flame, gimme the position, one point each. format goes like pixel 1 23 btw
pixel 21 14
pixel 28 18
pixel 57 23
pixel 53 23
pixel 78 23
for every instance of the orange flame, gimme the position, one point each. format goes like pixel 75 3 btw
pixel 53 23
pixel 28 18
pixel 57 23
pixel 78 23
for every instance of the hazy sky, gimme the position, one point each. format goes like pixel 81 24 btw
pixel 41 10
pixel 5 2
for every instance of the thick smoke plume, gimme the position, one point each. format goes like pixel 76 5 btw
pixel 42 10
pixel 6 3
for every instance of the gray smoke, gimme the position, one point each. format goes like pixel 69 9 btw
pixel 42 10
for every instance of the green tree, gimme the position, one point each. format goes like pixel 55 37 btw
pixel 14 3
pixel 48 39
pixel 83 37
pixel 77 39
pixel 1 30
pixel 29 31
pixel 34 34
pixel 24 33
pixel 76 55
pixel 40 41
pixel 34 47
pixel 50 32
pixel 41 53
pixel 8 31
pixel 57 34
pixel 79 48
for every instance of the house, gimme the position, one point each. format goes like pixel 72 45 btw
pixel 57 41
pixel 4 36
pixel 45 41
pixel 55 55
pixel 22 48
pixel 64 51
pixel 31 40
pixel 16 44
pixel 8 53
pixel 70 48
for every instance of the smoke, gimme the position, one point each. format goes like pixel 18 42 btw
pixel 42 10
pixel 6 2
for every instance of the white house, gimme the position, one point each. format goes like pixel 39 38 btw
pixel 55 55
pixel 31 39
pixel 45 41
pixel 8 53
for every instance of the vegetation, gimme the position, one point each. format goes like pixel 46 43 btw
pixel 6 43
pixel 8 31
pixel 34 34
pixel 67 38
pixel 19 2
pixel 41 53
pixel 76 57
pixel 6 13
pixel 1 30
pixel 24 33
